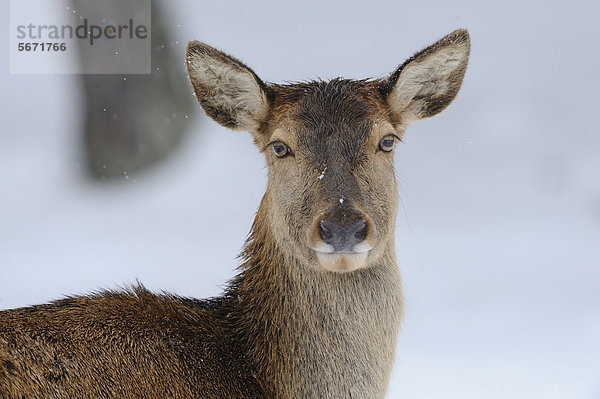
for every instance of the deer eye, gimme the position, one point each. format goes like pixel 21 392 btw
pixel 280 149
pixel 387 143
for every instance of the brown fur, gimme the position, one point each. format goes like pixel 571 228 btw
pixel 299 321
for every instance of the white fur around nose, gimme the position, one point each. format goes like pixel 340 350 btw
pixel 342 262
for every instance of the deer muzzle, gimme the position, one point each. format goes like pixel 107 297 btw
pixel 342 237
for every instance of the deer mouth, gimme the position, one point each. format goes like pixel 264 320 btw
pixel 342 262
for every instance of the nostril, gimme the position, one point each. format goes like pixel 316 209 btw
pixel 326 231
pixel 361 230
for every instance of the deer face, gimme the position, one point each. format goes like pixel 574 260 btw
pixel 329 146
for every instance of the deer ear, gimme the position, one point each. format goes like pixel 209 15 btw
pixel 428 81
pixel 228 90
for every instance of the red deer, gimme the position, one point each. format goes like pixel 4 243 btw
pixel 315 309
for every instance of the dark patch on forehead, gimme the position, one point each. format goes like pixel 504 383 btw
pixel 333 117
pixel 336 102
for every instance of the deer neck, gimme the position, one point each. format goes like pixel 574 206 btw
pixel 315 333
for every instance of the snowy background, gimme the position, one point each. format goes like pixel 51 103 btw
pixel 498 235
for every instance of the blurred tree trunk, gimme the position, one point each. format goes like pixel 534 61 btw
pixel 134 121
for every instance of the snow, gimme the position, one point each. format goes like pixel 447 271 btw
pixel 498 228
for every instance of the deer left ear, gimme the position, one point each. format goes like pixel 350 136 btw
pixel 428 81
pixel 229 91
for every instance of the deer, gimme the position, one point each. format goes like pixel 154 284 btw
pixel 315 308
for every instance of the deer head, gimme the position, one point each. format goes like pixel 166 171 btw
pixel 331 193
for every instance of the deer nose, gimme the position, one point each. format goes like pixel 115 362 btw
pixel 343 238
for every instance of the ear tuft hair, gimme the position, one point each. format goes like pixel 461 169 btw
pixel 229 91
pixel 426 83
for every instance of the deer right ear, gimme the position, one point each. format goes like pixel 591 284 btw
pixel 228 90
pixel 428 81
